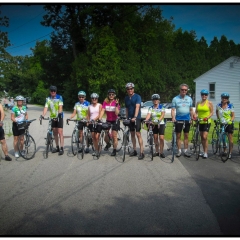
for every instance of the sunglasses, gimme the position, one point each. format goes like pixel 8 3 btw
pixel 155 99
pixel 80 96
pixel 111 94
pixel 225 97
pixel 53 90
pixel 129 88
pixel 184 89
pixel 94 98
pixel 204 94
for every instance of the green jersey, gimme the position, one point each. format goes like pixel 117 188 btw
pixel 53 104
pixel 19 114
pixel 156 113
pixel 81 109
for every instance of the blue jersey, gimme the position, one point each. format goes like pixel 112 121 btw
pixel 182 106
pixel 130 104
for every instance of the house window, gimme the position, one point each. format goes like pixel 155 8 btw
pixel 212 90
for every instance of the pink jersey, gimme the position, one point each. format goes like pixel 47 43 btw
pixel 94 111
pixel 110 110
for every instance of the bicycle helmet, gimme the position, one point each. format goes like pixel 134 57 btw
pixel 225 94
pixel 19 98
pixel 53 88
pixel 94 95
pixel 111 91
pixel 129 85
pixel 204 91
pixel 81 93
pixel 155 96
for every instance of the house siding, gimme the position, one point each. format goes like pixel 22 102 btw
pixel 226 79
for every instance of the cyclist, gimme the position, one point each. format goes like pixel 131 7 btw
pixel 94 110
pixel 225 113
pixel 81 109
pixel 182 112
pixel 18 114
pixel 133 111
pixel 112 108
pixel 2 135
pixel 156 112
pixel 204 110
pixel 55 103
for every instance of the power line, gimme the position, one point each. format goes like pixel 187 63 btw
pixel 26 22
pixel 29 42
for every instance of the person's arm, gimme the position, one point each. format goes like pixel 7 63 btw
pixel 60 109
pixel 44 111
pixel 101 113
pixel 26 116
pixel 100 109
pixel 2 113
pixel 148 116
pixel 73 114
pixel 13 117
pixel 211 109
pixel 195 115
pixel 232 116
pixel 217 113
pixel 136 110
pixel 173 114
pixel 191 112
pixel 117 108
pixel 162 116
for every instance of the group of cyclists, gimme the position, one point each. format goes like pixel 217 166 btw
pixel 182 115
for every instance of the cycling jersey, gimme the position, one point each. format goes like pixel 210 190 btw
pixel 110 110
pixel 19 114
pixel 130 104
pixel 203 112
pixel 81 109
pixel 225 114
pixel 53 104
pixel 182 106
pixel 156 113
pixel 94 111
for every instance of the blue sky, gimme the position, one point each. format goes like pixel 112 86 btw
pixel 207 20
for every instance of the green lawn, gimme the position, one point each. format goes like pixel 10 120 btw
pixel 168 132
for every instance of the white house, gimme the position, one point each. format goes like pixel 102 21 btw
pixel 225 77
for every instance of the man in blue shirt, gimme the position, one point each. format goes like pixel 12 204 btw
pixel 133 111
pixel 182 113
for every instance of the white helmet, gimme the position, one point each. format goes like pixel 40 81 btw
pixel 129 85
pixel 155 96
pixel 94 95
pixel 19 98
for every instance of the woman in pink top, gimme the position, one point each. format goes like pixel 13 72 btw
pixel 111 107
pixel 93 114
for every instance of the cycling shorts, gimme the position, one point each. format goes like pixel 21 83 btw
pixel 137 127
pixel 81 125
pixel 15 130
pixel 229 128
pixel 159 129
pixel 115 126
pixel 97 128
pixel 179 126
pixel 2 134
pixel 58 123
pixel 204 127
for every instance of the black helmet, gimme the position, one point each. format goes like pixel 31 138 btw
pixel 53 88
pixel 111 91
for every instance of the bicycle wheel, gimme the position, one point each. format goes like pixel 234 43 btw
pixel 174 145
pixel 214 141
pixel 238 141
pixel 151 145
pixel 197 145
pixel 224 147
pixel 75 142
pixel 125 146
pixel 49 143
pixel 28 149
pixel 83 144
pixel 89 141
pixel 120 139
pixel 100 144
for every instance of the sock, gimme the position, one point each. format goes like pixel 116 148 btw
pixel 185 150
pixel 179 150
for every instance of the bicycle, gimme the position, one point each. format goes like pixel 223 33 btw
pixel 238 139
pixel 106 126
pixel 76 147
pixel 26 144
pixel 127 144
pixel 196 139
pixel 150 139
pixel 49 138
pixel 220 140
pixel 173 147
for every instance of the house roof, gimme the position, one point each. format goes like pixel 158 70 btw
pixel 232 57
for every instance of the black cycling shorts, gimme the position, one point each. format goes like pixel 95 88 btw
pixel 229 128
pixel 81 125
pixel 15 130
pixel 58 123
pixel 97 128
pixel 179 126
pixel 2 134
pixel 204 127
pixel 137 127
pixel 115 126
pixel 159 129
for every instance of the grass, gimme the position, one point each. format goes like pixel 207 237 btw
pixel 168 132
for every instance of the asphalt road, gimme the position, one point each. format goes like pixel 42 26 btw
pixel 63 195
